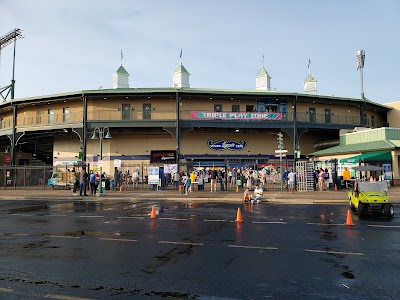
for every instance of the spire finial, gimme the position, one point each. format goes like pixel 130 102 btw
pixel 180 56
pixel 122 57
pixel 262 61
pixel 309 66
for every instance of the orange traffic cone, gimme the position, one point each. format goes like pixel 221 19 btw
pixel 239 216
pixel 349 220
pixel 335 187
pixel 237 189
pixel 153 214
pixel 180 188
pixel 121 188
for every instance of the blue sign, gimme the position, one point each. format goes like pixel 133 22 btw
pixel 227 145
pixel 153 175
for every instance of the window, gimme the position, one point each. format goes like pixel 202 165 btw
pixel 249 108
pixel 66 114
pixel 217 107
pixel 1 123
pixel 327 115
pixel 146 111
pixel 235 108
pixel 50 116
pixel 311 112
pixel 372 121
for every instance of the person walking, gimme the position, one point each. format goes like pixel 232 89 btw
pixel 291 181
pixel 83 179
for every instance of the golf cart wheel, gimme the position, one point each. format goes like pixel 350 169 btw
pixel 353 209
pixel 360 209
pixel 388 210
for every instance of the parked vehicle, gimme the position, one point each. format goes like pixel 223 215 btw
pixel 367 197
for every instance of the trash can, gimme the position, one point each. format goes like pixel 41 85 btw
pixel 107 184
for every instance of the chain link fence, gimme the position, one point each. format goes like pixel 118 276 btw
pixel 25 177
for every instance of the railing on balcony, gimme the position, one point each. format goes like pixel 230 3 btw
pixel 170 115
pixel 52 119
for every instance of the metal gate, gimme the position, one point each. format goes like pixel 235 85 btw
pixel 25 177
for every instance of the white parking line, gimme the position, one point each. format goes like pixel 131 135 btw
pixel 267 222
pixel 326 224
pixel 384 226
pixel 64 236
pixel 181 243
pixel 252 247
pixel 133 217
pixel 91 216
pixel 25 215
pixel 55 215
pixel 173 219
pixel 20 234
pixel 334 252
pixel 209 220
pixel 5 290
pixel 118 240
pixel 64 297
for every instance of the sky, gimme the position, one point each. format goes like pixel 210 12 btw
pixel 76 45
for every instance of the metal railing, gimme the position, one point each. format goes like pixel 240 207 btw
pixel 25 177
pixel 170 115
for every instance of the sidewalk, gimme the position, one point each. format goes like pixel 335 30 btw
pixel 339 196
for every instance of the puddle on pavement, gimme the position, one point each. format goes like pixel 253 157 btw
pixel 28 208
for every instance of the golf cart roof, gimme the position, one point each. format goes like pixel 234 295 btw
pixel 366 186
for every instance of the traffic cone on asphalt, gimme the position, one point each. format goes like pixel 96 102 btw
pixel 335 187
pixel 349 220
pixel 237 189
pixel 121 188
pixel 153 214
pixel 239 216
pixel 180 188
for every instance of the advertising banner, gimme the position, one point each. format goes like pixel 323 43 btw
pixel 170 168
pixel 265 116
pixel 226 145
pixel 387 171
pixel 154 175
pixel 162 156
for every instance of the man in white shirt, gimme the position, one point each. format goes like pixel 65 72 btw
pixel 291 181
pixel 257 194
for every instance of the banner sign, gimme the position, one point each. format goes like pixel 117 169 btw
pixel 153 175
pixel 227 145
pixel 162 156
pixel 265 116
pixel 7 158
pixel 170 168
pixel 387 171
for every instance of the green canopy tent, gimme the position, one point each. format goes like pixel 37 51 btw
pixel 368 157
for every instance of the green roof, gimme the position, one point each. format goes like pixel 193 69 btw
pixel 354 148
pixel 122 70
pixel 309 78
pixel 263 73
pixel 181 69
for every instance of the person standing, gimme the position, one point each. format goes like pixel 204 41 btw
pixel 188 185
pixel 92 181
pixel 346 176
pixel 213 178
pixel 291 181
pixel 83 179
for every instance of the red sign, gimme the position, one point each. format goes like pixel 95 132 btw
pixel 7 158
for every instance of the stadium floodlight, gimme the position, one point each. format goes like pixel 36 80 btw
pixel 6 40
pixel 9 37
pixel 360 65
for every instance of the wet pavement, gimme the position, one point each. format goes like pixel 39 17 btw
pixel 112 249
pixel 339 196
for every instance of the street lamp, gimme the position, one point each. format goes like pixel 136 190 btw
pixel 101 133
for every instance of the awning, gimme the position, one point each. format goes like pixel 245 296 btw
pixel 368 157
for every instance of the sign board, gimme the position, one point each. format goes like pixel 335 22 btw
pixel 170 168
pixel 163 156
pixel 7 158
pixel 226 145
pixel 154 175
pixel 100 163
pixel 117 163
pixel 387 171
pixel 264 116
pixel 280 151
pixel 280 155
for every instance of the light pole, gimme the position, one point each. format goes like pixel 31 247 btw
pixel 101 133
